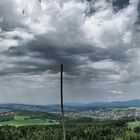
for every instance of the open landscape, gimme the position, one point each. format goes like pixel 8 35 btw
pixel 19 118
pixel 87 122
pixel 69 69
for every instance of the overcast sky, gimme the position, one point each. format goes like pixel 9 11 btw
pixel 98 41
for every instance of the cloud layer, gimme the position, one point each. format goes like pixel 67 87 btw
pixel 97 41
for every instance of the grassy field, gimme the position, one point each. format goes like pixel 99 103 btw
pixel 132 125
pixel 26 121
pixel 21 117
pixel 130 133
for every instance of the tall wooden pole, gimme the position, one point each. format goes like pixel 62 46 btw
pixel 62 104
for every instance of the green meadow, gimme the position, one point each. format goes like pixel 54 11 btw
pixel 27 121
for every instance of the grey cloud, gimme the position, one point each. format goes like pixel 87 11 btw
pixel 94 57
pixel 64 47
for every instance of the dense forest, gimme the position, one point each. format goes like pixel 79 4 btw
pixel 81 129
pixel 35 125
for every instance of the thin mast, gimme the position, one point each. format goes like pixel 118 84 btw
pixel 62 104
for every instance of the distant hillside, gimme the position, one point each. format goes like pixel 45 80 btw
pixel 72 106
pixel 24 107
pixel 113 104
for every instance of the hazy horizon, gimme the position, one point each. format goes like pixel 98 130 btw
pixel 71 103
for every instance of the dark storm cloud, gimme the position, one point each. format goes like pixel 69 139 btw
pixel 49 52
pixel 137 23
pixel 120 4
pixel 50 55
pixel 139 12
pixel 116 4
